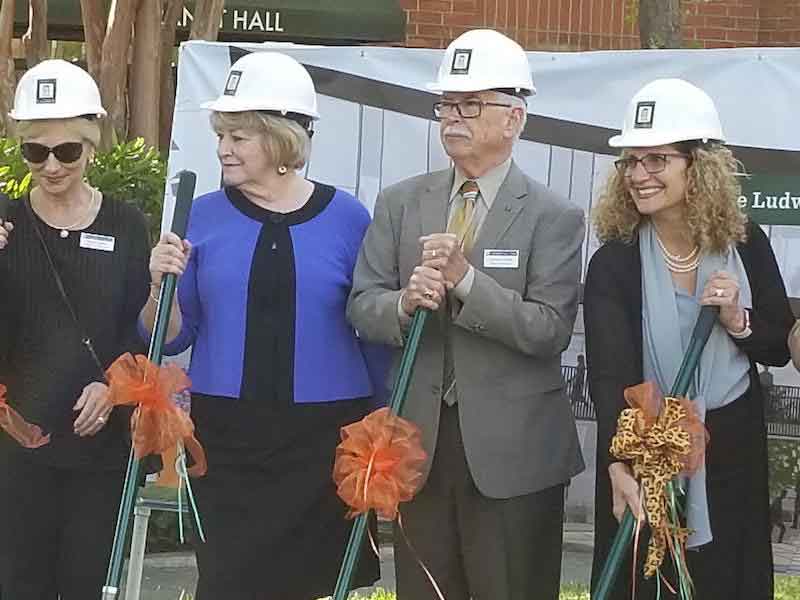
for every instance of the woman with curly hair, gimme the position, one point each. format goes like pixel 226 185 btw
pixel 674 240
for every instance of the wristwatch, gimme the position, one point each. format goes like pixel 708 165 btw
pixel 746 332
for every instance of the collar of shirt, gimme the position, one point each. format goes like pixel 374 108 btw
pixel 489 183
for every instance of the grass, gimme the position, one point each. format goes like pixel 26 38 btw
pixel 786 588
pixel 570 591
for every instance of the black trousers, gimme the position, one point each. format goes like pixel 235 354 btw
pixel 477 547
pixel 58 528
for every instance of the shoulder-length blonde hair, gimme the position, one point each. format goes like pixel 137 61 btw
pixel 87 130
pixel 285 141
pixel 712 212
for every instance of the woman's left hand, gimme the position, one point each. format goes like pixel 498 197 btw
pixel 722 289
pixel 95 408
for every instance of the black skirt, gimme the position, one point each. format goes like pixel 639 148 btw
pixel 275 527
pixel 737 564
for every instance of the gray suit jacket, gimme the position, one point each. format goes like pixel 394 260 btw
pixel 517 425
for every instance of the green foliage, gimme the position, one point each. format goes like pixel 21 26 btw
pixel 787 588
pixel 163 534
pixel 378 594
pixel 132 172
pixel 15 179
pixel 129 172
pixel 574 591
pixel 784 465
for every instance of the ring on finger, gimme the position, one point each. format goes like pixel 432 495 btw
pixel 719 292
pixel 433 253
pixel 428 294
pixel 101 420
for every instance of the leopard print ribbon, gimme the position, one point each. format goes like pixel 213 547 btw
pixel 659 445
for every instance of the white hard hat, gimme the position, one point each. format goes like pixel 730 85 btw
pixel 56 89
pixel 268 81
pixel 666 111
pixel 484 59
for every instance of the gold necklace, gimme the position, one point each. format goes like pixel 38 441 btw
pixel 64 233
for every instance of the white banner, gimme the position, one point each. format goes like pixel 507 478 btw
pixel 376 128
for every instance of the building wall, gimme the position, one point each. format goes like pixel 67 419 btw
pixel 601 24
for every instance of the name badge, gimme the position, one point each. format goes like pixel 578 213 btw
pixel 501 259
pixel 95 241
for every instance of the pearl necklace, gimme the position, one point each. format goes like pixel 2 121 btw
pixel 93 202
pixel 677 263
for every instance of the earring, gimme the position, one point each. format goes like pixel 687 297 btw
pixel 282 170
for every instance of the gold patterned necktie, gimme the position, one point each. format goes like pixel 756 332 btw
pixel 462 224
pixel 461 221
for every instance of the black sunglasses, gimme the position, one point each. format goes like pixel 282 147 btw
pixel 68 152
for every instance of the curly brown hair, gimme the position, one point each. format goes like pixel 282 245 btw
pixel 713 216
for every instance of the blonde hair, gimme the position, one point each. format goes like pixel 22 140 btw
pixel 285 141
pixel 713 216
pixel 88 130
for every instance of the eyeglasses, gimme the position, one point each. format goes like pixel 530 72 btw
pixel 68 152
pixel 652 163
pixel 467 109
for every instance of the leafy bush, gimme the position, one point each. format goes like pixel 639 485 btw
pixel 15 179
pixel 130 172
pixel 784 465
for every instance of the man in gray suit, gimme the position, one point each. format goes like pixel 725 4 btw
pixel 498 258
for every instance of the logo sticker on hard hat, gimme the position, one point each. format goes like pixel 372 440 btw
pixel 45 91
pixel 233 83
pixel 644 115
pixel 461 60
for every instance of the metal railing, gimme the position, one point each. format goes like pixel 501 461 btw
pixel 577 390
pixel 781 403
pixel 782 410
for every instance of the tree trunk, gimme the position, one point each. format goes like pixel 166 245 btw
pixel 94 20
pixel 207 16
pixel 114 66
pixel 660 24
pixel 35 39
pixel 7 78
pixel 172 11
pixel 144 94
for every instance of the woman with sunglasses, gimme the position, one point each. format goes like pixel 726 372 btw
pixel 73 278
pixel 674 240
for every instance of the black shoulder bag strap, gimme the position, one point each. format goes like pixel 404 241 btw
pixel 85 339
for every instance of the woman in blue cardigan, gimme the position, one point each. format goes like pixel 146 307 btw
pixel 276 370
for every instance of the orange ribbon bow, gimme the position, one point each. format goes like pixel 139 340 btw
pixel 157 424
pixel 378 464
pixel 28 436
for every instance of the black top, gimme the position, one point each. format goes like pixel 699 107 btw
pixel 268 373
pixel 43 361
pixel 264 424
pixel 613 325
pixel 612 312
